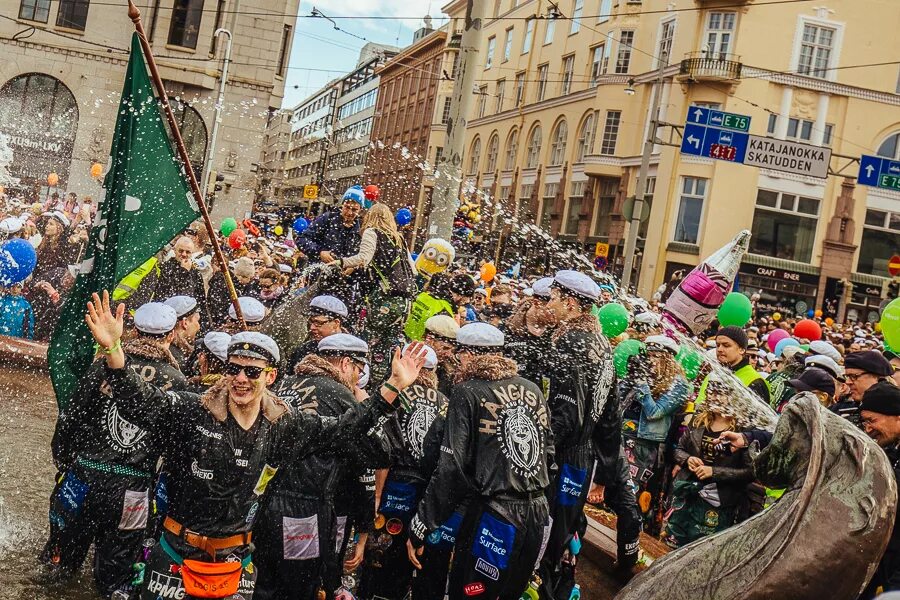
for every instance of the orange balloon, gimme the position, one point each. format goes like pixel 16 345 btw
pixel 488 271
pixel 52 179
pixel 829 321
pixel 818 313
pixel 237 238
pixel 96 170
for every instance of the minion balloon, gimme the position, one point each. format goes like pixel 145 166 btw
pixel 435 257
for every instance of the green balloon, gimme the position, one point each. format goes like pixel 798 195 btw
pixel 624 350
pixel 614 319
pixel 890 323
pixel 228 225
pixel 690 360
pixel 736 310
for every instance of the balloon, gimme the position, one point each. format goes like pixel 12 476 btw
pixel 829 321
pixel 613 318
pixel 403 217
pixel 804 347
pixel 776 316
pixel 818 313
pixel 877 327
pixel 623 351
pixel 278 230
pixel 786 342
pixel 300 225
pixel 17 260
pixel 775 337
pixel 371 192
pixel 228 225
pixel 414 256
pixel 890 323
pixel 52 179
pixel 735 310
pixel 809 329
pixel 488 270
pixel 810 313
pixel 690 360
pixel 96 170
pixel 237 238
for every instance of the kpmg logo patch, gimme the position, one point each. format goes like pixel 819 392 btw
pixel 165 586
pixel 487 569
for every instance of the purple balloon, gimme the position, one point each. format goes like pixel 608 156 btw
pixel 775 337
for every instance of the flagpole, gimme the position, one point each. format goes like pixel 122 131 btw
pixel 135 15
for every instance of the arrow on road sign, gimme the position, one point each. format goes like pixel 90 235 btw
pixel 869 170
pixel 694 142
pixel 698 114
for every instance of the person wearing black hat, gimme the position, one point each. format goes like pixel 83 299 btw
pixel 862 370
pixel 223 448
pixel 107 462
pixel 818 382
pixel 880 412
pixel 731 351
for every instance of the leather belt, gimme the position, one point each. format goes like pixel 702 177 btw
pixel 208 544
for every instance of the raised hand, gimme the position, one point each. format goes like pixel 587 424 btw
pixel 405 367
pixel 105 326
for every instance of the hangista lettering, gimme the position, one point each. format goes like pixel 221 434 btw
pixel 473 589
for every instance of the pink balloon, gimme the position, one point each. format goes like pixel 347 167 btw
pixel 775 337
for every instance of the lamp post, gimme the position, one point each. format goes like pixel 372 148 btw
pixel 220 101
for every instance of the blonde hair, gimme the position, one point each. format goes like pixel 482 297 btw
pixel 705 417
pixel 379 217
pixel 666 369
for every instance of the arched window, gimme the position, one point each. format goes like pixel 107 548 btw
pixel 193 132
pixel 475 156
pixel 512 148
pixel 39 115
pixel 585 138
pixel 558 143
pixel 890 148
pixel 534 148
pixel 492 149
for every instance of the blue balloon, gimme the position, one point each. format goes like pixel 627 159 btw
pixel 810 313
pixel 403 217
pixel 300 225
pixel 785 343
pixel 415 256
pixel 17 260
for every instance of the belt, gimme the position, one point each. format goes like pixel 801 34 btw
pixel 517 496
pixel 111 468
pixel 207 544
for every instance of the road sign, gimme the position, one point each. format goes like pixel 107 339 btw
pixel 712 142
pixel 310 192
pixel 894 266
pixel 716 118
pixel 789 157
pixel 601 250
pixel 879 172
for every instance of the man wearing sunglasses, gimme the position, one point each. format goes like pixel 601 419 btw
pixel 862 370
pixel 327 315
pixel 223 448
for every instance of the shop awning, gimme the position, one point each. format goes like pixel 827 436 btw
pixel 866 279
pixel 780 263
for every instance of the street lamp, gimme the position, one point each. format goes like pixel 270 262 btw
pixel 630 89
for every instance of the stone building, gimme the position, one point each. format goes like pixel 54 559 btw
pixel 64 65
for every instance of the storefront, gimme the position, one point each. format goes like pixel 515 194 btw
pixel 865 299
pixel 790 292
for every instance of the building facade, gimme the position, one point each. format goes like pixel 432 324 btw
pixel 564 107
pixel 311 125
pixel 60 86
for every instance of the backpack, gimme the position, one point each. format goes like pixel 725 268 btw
pixel 393 270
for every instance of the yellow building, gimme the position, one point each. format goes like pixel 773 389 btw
pixel 564 106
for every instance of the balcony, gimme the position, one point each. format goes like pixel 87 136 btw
pixel 702 66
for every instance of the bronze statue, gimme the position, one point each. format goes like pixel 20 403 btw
pixel 822 539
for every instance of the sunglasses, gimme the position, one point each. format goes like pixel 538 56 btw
pixel 249 371
pixel 320 321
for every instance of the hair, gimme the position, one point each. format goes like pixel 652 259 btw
pixel 380 218
pixel 705 418
pixel 272 274
pixel 666 369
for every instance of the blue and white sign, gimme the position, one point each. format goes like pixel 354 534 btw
pixel 716 118
pixel 879 172
pixel 712 142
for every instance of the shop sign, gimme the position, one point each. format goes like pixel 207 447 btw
pixel 780 274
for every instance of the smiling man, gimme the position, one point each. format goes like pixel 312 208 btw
pixel 222 449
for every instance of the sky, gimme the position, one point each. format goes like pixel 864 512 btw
pixel 320 53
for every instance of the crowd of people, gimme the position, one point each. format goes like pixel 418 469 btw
pixel 434 431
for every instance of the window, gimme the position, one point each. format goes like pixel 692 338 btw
pixel 492 150
pixel 801 130
pixel 889 147
pixel 551 29
pixel 784 225
pixel 475 156
pixel 542 81
pixel 666 37
pixel 523 206
pixel 605 10
pixel 482 100
pixel 285 50
pixel 607 190
pixel 550 192
pixel 358 104
pixel 576 202
pixel 529 36
pixel 599 62
pixel 501 89
pixel 72 14
pixel 690 209
pixel 185 26
pixel 558 144
pixel 534 148
pixel 507 44
pixel 815 50
pixel 455 65
pixel 568 71
pixel 512 148
pixel 610 132
pixel 35 10
pixel 585 139
pixel 445 113
pixel 489 59
pixel 577 11
pixel 520 88
pixel 880 241
pixel 623 58
pixel 438 155
pixel 719 31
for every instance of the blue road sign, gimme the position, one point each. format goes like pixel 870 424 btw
pixel 712 142
pixel 879 172
pixel 716 118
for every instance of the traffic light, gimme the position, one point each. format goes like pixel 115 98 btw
pixel 893 289
pixel 215 183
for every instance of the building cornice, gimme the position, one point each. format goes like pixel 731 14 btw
pixel 821 85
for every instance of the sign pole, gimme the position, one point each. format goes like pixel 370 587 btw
pixel 135 15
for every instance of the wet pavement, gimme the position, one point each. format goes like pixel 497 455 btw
pixel 26 480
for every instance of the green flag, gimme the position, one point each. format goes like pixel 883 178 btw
pixel 146 201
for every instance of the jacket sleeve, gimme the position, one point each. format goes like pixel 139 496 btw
pixel 762 390
pixel 367 247
pixel 607 439
pixel 669 402
pixel 685 448
pixel 310 241
pixel 742 472
pixel 64 446
pixel 449 484
pixel 431 448
pixel 566 408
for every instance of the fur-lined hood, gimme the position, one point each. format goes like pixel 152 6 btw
pixel 150 349
pixel 427 379
pixel 215 400
pixel 313 365
pixel 584 322
pixel 490 367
